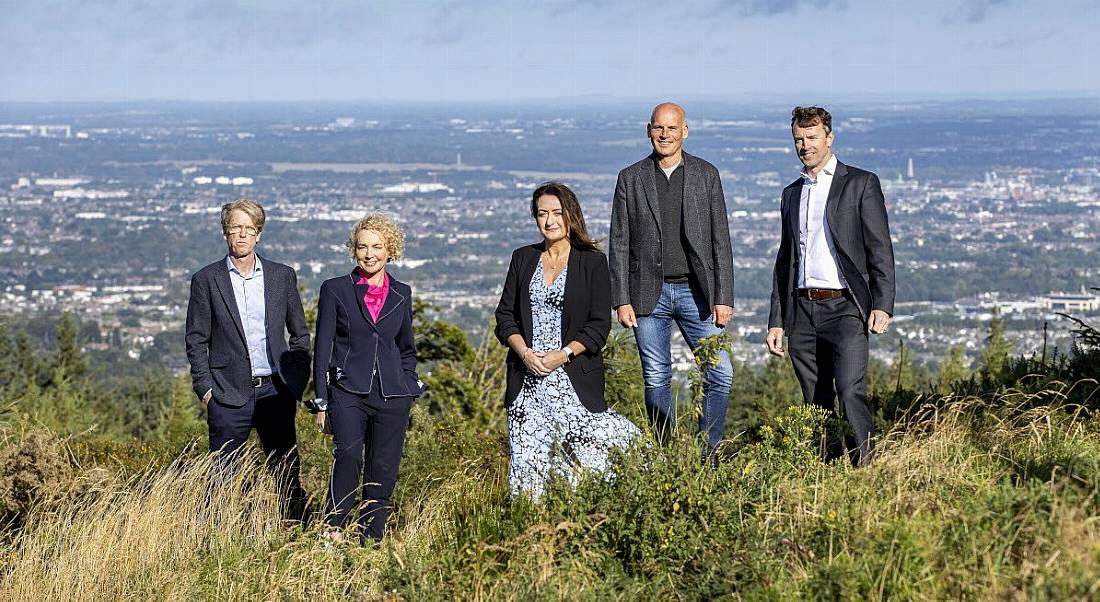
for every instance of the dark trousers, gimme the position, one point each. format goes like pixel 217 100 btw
pixel 828 346
pixel 369 435
pixel 271 413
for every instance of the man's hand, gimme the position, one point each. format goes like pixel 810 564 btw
pixel 323 425
pixel 206 398
pixel 775 342
pixel 878 322
pixel 722 315
pixel 626 316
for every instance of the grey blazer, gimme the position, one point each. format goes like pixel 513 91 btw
pixel 216 347
pixel 635 251
pixel 856 212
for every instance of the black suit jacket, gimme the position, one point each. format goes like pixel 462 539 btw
pixel 216 346
pixel 585 318
pixel 351 346
pixel 856 213
pixel 635 248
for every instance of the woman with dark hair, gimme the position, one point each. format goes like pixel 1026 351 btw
pixel 554 315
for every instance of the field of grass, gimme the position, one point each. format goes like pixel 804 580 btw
pixel 989 493
pixel 970 498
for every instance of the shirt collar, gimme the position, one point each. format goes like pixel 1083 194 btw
pixel 233 269
pixel 361 278
pixel 828 170
pixel 657 162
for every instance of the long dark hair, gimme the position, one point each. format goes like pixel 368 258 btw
pixel 570 209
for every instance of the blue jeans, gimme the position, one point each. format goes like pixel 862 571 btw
pixel 681 303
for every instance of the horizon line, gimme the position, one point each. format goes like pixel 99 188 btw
pixel 591 98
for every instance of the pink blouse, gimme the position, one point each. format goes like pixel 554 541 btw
pixel 376 295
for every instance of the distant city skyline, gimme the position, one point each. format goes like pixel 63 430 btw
pixel 522 50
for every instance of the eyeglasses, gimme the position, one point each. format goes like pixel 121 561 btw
pixel 249 230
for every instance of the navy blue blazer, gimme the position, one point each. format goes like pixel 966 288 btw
pixel 350 346
pixel 216 347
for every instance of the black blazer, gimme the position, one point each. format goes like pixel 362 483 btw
pixel 216 347
pixel 351 346
pixel 635 249
pixel 856 212
pixel 585 318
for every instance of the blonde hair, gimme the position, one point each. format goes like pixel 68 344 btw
pixel 392 234
pixel 251 208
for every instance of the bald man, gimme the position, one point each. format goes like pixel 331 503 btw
pixel 671 261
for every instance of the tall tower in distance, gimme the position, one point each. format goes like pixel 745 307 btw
pixel 909 169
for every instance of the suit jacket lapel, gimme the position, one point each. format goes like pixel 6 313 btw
pixel 840 176
pixel 689 208
pixel 793 203
pixel 394 299
pixel 573 284
pixel 271 293
pixel 225 287
pixel 357 291
pixel 525 276
pixel 649 186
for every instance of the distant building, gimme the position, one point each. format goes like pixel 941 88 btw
pixel 1071 302
pixel 60 182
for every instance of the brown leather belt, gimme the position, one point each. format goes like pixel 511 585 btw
pixel 819 294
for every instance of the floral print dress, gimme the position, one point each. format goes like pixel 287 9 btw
pixel 550 432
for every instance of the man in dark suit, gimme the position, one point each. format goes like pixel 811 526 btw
pixel 670 261
pixel 242 368
pixel 834 277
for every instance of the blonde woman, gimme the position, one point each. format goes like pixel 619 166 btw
pixel 364 371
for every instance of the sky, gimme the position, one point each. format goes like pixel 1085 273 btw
pixel 520 50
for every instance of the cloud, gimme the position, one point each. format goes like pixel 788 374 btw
pixel 975 11
pixel 198 29
pixel 450 24
pixel 771 8
pixel 1018 42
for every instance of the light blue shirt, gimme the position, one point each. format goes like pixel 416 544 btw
pixel 249 294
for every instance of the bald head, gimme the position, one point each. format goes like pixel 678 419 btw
pixel 671 109
pixel 667 132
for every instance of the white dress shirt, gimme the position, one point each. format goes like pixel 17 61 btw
pixel 818 265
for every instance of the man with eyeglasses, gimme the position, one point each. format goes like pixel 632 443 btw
pixel 671 261
pixel 242 367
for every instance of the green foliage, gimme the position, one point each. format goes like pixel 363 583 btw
pixel 34 466
pixel 70 355
pixel 952 370
pixel 624 389
pixel 437 340
pixel 707 355
pixel 796 438
pixel 997 348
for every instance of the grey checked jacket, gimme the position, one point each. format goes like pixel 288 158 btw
pixel 635 249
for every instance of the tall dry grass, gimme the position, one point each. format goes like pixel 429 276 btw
pixel 139 537
pixel 970 498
